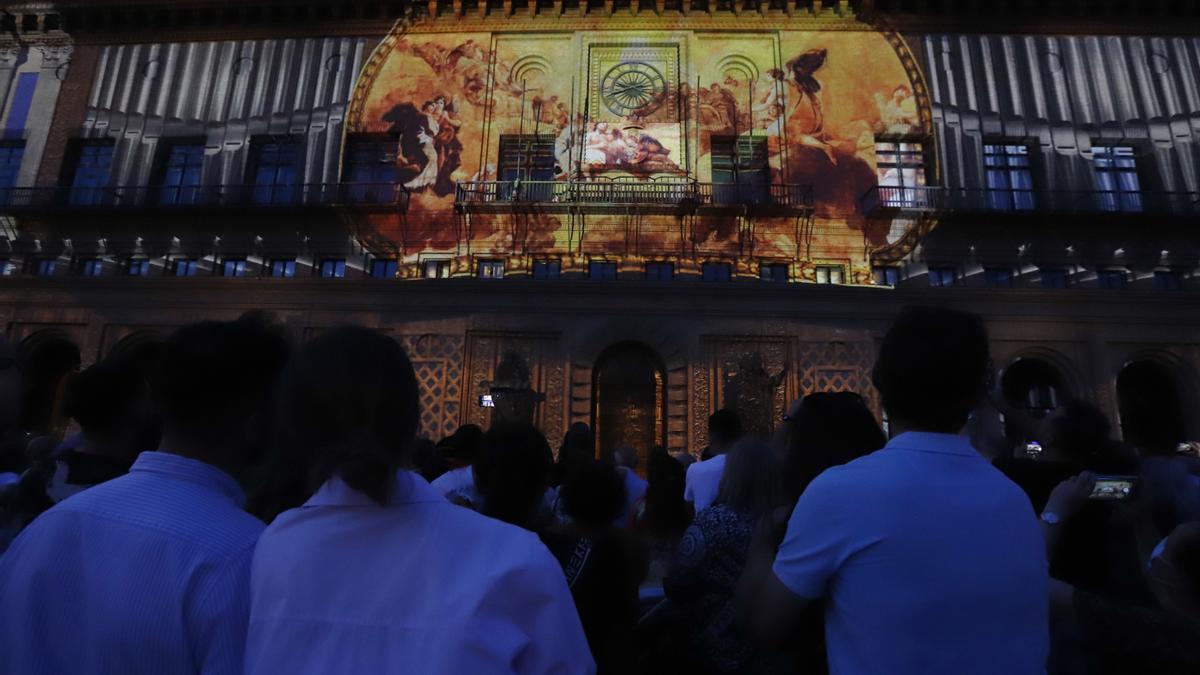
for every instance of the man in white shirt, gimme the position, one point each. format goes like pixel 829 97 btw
pixel 704 478
pixel 150 572
pixel 929 561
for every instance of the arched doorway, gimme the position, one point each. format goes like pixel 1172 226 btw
pixel 1150 406
pixel 46 360
pixel 1032 388
pixel 629 401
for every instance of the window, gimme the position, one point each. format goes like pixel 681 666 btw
pixel 437 269
pixel 11 155
pixel 527 158
pixel 277 166
pixel 716 271
pixel 1117 178
pixel 829 274
pixel 998 277
pixel 137 267
pixel 660 271
pixel 1009 177
pixel 887 276
pixel 1111 279
pixel 233 267
pixel 333 268
pixel 89 267
pixel 900 166
pixel 773 272
pixel 547 269
pixel 92 164
pixel 602 271
pixel 185 267
pixel 284 268
pixel 490 269
pixel 942 277
pixel 1052 278
pixel 179 182
pixel 384 268
pixel 6 268
pixel 740 171
pixel 370 169
pixel 43 267
pixel 1168 280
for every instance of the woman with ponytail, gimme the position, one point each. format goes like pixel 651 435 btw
pixel 377 572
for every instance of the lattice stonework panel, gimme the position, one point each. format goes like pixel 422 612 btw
pixel 438 363
pixel 753 375
pixel 541 353
pixel 761 376
pixel 838 366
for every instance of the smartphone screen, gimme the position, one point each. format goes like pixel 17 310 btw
pixel 1113 488
pixel 486 401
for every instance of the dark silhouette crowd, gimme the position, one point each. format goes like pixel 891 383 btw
pixel 231 502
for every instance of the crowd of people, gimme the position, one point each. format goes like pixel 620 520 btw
pixel 233 503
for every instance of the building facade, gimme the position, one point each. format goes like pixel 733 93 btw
pixel 630 213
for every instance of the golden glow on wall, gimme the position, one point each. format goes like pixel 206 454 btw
pixel 652 106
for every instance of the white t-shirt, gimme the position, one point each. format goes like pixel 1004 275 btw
pixel 704 481
pixel 930 560
pixel 458 483
pixel 342 585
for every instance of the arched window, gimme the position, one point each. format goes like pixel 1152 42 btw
pixel 46 360
pixel 1032 387
pixel 629 399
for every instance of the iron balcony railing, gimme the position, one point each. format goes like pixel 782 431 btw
pixel 667 193
pixel 380 195
pixel 935 198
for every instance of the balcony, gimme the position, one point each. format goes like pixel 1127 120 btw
pixel 916 200
pixel 665 195
pixel 366 196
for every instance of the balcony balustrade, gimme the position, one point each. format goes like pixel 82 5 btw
pixel 649 194
pixel 380 196
pixel 887 199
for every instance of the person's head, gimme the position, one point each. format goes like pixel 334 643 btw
pixel 594 496
pixel 426 459
pixel 751 481
pixel 724 429
pixel 626 456
pixel 1076 432
pixel 111 403
pixel 1174 573
pixel 932 369
pixel 512 472
pixel 824 430
pixel 349 402
pixel 215 386
pixel 578 447
pixel 666 477
pixel 462 447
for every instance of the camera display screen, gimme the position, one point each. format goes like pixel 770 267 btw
pixel 1113 487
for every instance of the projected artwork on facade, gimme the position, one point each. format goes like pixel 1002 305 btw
pixel 784 117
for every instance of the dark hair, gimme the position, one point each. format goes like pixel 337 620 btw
pixel 932 368
pixel 578 448
pixel 1080 431
pixel 829 429
pixel 724 426
pixel 350 402
pixel 667 512
pixel 427 460
pixel 463 445
pixel 751 482
pixel 105 399
pixel 512 472
pixel 217 376
pixel 595 496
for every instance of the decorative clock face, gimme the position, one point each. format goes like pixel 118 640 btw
pixel 633 86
